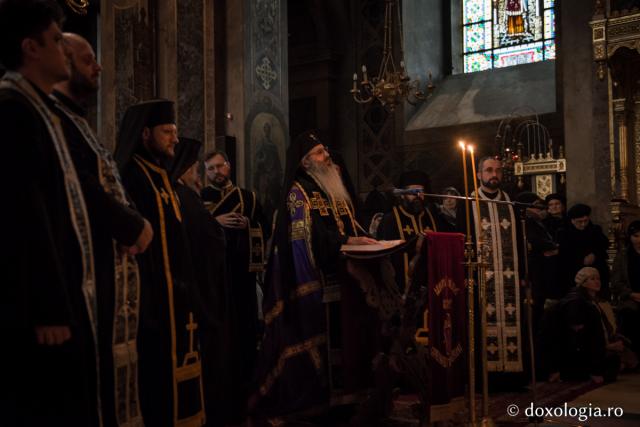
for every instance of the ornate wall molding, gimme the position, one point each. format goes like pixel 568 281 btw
pixel 616 50
pixel 266 113
pixel 619 108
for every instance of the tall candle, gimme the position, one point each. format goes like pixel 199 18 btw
pixel 466 188
pixel 475 188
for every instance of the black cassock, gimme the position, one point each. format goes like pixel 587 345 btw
pixel 170 378
pixel 110 220
pixel 42 276
pixel 245 252
pixel 207 242
pixel 576 244
pixel 400 224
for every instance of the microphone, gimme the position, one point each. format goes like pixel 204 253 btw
pixel 412 191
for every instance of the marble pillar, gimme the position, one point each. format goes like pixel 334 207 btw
pixel 257 98
pixel 585 110
pixel 157 49
pixel 126 53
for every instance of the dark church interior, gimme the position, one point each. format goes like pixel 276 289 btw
pixel 321 212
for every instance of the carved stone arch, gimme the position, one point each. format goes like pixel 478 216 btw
pixel 632 45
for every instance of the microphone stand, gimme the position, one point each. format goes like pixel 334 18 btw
pixel 528 300
pixel 481 266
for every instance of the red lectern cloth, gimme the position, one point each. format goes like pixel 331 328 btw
pixel 447 323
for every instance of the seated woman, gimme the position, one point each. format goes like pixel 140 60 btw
pixel 448 208
pixel 580 339
pixel 625 286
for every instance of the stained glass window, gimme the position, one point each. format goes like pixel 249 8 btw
pixel 502 33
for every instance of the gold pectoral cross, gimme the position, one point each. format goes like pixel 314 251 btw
pixel 408 230
pixel 319 203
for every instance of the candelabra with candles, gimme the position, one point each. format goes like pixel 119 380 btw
pixel 391 86
pixel 474 260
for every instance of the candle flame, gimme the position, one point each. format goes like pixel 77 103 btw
pixel 470 148
pixel 462 145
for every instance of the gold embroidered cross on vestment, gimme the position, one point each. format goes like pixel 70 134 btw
pixel 320 203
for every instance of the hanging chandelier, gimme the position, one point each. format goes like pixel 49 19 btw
pixel 391 86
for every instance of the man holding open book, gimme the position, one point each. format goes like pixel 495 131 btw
pixel 308 309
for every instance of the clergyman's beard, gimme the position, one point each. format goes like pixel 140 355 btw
pixel 493 184
pixel 414 207
pixel 164 157
pixel 328 178
pixel 79 85
pixel 219 183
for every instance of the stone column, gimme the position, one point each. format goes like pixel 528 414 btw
pixel 190 68
pixel 126 52
pixel 191 50
pixel 153 48
pixel 585 111
pixel 167 50
pixel 257 96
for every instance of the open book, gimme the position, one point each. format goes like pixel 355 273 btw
pixel 383 247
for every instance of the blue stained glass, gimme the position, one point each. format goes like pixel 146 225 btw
pixel 550 49
pixel 476 11
pixel 477 37
pixel 477 62
pixel 502 33
pixel 549 24
pixel 473 11
pixel 536 22
pixel 517 55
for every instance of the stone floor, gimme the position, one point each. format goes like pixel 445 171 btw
pixel 623 397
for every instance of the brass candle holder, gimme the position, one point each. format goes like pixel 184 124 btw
pixel 481 265
pixel 470 264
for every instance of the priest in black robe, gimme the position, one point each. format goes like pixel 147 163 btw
pixel 501 245
pixel 541 254
pixel 118 231
pixel 410 217
pixel 48 291
pixel 207 244
pixel 238 211
pixel 170 379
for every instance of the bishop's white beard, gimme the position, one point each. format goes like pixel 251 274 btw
pixel 328 178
